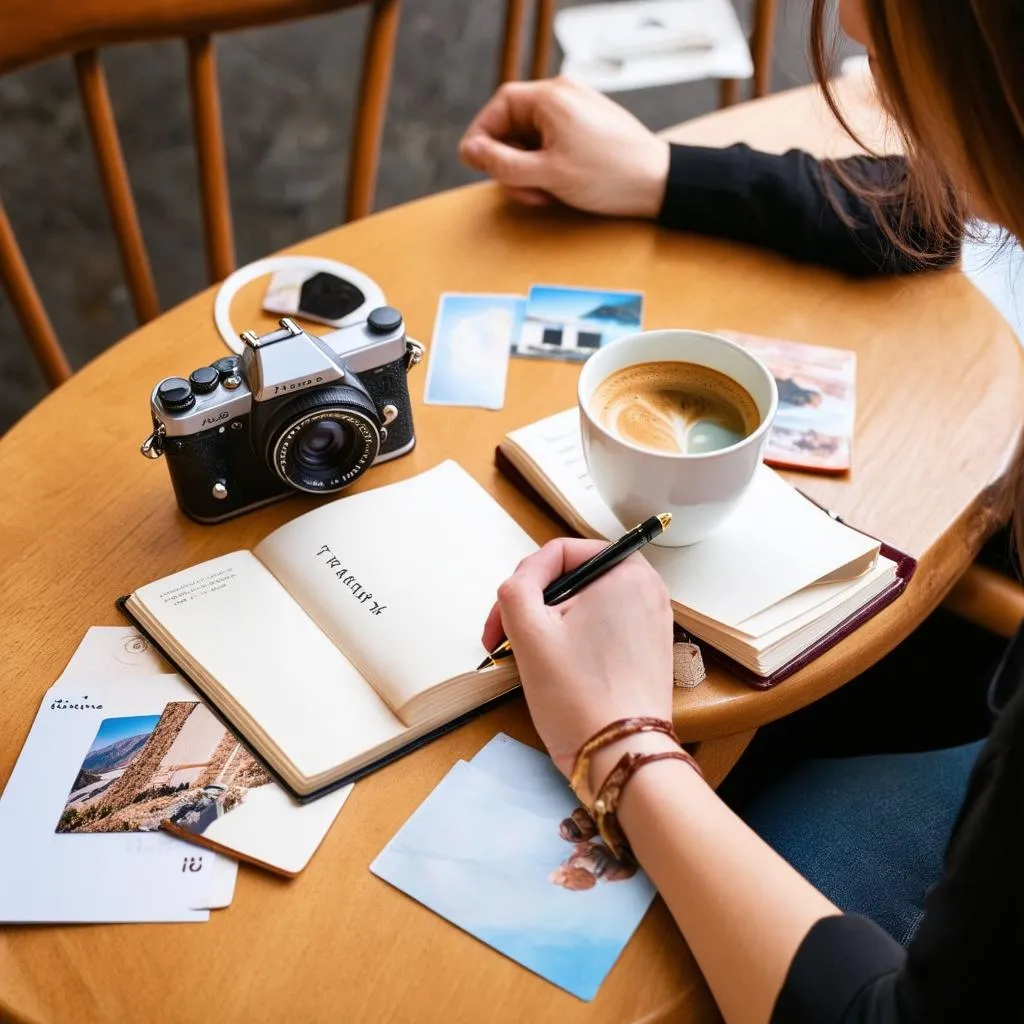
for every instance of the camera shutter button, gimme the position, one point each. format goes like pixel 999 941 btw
pixel 204 379
pixel 384 320
pixel 175 394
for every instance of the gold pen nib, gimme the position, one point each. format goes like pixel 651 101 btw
pixel 665 518
pixel 502 651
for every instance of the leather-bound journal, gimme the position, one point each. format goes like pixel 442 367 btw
pixel 349 635
pixel 777 585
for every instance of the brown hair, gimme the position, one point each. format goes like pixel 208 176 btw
pixel 950 74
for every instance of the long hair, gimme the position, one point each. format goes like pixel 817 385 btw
pixel 950 73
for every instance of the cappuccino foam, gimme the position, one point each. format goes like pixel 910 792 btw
pixel 675 407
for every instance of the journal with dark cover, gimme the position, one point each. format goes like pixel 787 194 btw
pixel 887 591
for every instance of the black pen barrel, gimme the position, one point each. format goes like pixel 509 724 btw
pixel 565 586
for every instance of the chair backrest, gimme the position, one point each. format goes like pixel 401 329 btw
pixel 35 30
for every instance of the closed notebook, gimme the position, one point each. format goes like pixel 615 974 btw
pixel 351 633
pixel 772 588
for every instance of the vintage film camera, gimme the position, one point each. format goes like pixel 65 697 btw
pixel 294 413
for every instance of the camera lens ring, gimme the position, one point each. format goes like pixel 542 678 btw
pixel 353 440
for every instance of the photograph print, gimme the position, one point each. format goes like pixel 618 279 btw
pixel 182 766
pixel 537 885
pixel 571 324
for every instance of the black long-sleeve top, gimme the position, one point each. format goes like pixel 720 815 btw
pixel 964 965
pixel 796 206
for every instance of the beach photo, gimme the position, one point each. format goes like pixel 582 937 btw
pixel 571 323
pixel 182 766
pixel 813 427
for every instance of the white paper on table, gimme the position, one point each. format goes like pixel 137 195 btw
pixel 638 44
pixel 109 652
pixel 103 877
pixel 271 827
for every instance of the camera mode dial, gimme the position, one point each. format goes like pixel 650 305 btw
pixel 175 394
pixel 204 379
pixel 227 367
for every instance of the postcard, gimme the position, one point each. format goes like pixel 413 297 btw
pixel 813 428
pixel 116 877
pixel 521 871
pixel 570 324
pixel 473 335
pixel 184 772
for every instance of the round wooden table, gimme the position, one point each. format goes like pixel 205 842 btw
pixel 85 518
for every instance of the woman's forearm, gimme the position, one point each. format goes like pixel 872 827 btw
pixel 743 910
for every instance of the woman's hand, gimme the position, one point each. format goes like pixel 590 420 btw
pixel 603 655
pixel 559 139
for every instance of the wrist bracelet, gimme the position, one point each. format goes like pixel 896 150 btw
pixel 606 806
pixel 611 733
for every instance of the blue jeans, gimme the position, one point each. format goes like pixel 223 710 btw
pixel 869 832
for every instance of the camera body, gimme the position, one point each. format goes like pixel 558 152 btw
pixel 294 413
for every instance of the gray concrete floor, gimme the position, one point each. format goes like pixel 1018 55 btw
pixel 287 97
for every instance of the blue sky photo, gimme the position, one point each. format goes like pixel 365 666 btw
pixel 475 854
pixel 564 305
pixel 469 351
pixel 113 729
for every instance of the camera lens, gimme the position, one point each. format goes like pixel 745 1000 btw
pixel 321 444
pixel 325 439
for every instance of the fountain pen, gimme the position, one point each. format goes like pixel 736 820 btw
pixel 576 579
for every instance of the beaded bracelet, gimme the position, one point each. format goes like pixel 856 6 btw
pixel 618 730
pixel 606 806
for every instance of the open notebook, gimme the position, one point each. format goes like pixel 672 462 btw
pixel 351 632
pixel 776 585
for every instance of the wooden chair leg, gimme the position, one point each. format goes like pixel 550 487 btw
pixel 99 115
pixel 511 45
pixel 762 45
pixel 728 92
pixel 372 105
pixel 29 308
pixel 213 166
pixel 988 599
pixel 543 30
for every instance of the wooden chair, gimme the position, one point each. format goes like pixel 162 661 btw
pixel 34 30
pixel 761 45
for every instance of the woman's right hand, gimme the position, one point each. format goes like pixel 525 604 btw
pixel 557 139
pixel 603 655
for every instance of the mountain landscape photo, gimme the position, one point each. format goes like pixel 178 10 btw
pixel 187 768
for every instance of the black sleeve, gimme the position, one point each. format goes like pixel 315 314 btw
pixel 795 205
pixel 843 973
pixel 964 963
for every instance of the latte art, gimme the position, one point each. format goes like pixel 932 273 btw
pixel 675 407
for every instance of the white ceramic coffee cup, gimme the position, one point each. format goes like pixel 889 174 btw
pixel 699 490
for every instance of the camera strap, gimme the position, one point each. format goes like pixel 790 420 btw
pixel 235 282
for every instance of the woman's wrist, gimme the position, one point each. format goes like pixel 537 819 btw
pixel 605 759
pixel 653 181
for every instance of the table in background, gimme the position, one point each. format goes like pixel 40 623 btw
pixel 85 518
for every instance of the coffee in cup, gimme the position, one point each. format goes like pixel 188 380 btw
pixel 675 407
pixel 674 421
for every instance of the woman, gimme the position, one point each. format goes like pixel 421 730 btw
pixel 770 945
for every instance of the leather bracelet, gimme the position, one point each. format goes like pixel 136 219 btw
pixel 579 781
pixel 606 806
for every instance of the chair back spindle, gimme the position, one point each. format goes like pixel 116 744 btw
pixel 99 116
pixel 35 30
pixel 213 170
